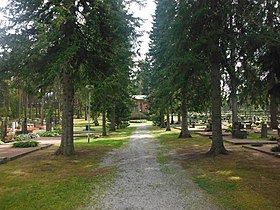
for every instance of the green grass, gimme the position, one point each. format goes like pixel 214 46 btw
pixel 42 180
pixel 255 136
pixel 241 180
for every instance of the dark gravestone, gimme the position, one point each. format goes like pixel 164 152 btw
pixel 209 127
pixel 238 134
pixel 264 130
pixel 24 126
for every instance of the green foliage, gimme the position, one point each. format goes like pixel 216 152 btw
pixel 50 134
pixel 257 144
pixel 24 144
pixel 275 149
pixel 22 137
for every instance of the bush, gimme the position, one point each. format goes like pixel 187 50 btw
pixel 58 129
pixel 22 137
pixel 275 149
pixel 24 144
pixel 257 144
pixel 50 134
pixel 273 138
pixel 137 121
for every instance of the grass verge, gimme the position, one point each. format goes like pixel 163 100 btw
pixel 244 179
pixel 42 180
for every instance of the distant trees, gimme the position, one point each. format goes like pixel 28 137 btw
pixel 77 42
pixel 196 44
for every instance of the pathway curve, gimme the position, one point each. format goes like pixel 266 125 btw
pixel 140 184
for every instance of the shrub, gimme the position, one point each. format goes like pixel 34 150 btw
pixel 273 138
pixel 257 144
pixel 275 149
pixel 22 137
pixel 49 134
pixel 58 129
pixel 24 144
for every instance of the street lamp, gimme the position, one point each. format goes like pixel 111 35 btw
pixel 89 87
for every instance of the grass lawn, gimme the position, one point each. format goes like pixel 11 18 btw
pixel 42 180
pixel 244 179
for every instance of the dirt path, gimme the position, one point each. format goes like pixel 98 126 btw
pixel 140 183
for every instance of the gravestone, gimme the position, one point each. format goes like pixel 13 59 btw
pixel 237 133
pixel 24 126
pixel 264 130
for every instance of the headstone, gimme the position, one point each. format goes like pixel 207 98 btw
pixel 264 130
pixel 238 134
pixel 14 126
pixel 24 126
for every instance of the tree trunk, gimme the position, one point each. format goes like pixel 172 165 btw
pixel 162 124
pixel 3 129
pixel 168 121
pixel 113 119
pixel 273 112
pixel 104 131
pixel 49 124
pixel 19 106
pixel 25 99
pixel 179 117
pixel 42 110
pixel 86 109
pixel 234 107
pixel 273 104
pixel 30 108
pixel 36 110
pixel 217 139
pixel 184 126
pixel 96 123
pixel 67 142
pixel 172 119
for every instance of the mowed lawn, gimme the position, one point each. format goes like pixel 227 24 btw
pixel 42 180
pixel 243 179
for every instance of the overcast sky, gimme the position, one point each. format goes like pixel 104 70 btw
pixel 144 13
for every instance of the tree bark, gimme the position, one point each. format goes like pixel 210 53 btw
pixel 273 104
pixel 3 129
pixel 273 112
pixel 42 109
pixel 104 131
pixel 30 108
pixel 217 146
pixel 179 117
pixel 184 126
pixel 168 120
pixel 162 124
pixel 19 105
pixel 113 119
pixel 67 141
pixel 25 99
pixel 234 106
pixel 49 124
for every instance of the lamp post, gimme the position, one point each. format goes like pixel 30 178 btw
pixel 89 87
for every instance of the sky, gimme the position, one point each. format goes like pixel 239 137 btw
pixel 144 13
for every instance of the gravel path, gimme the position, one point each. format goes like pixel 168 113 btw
pixel 140 184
